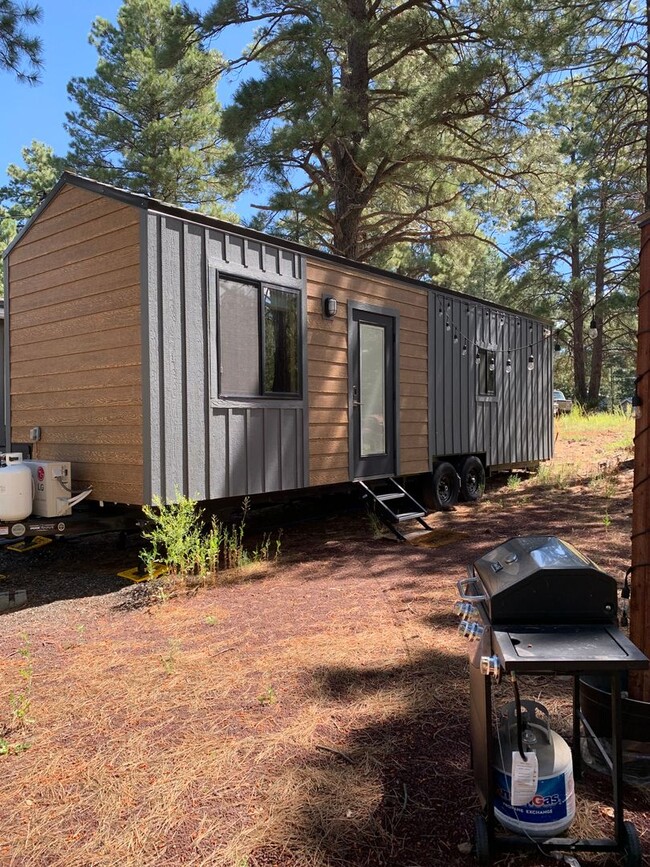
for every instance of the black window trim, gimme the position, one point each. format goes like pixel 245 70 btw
pixel 260 285
pixel 482 380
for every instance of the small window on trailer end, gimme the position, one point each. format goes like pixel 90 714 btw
pixel 487 376
pixel 259 339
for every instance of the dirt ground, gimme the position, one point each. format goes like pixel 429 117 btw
pixel 309 712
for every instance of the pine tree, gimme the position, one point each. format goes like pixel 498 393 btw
pixel 30 183
pixel 20 53
pixel 147 121
pixel 578 262
pixel 377 121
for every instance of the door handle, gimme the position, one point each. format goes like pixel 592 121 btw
pixel 356 403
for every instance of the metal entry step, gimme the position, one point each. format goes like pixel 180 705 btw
pixel 403 507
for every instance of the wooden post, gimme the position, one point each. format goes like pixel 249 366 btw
pixel 640 579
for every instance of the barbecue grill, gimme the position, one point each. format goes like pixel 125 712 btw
pixel 536 605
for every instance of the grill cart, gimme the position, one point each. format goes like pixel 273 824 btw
pixel 535 605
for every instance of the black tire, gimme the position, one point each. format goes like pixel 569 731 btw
pixel 472 479
pixel 482 842
pixel 631 846
pixel 445 486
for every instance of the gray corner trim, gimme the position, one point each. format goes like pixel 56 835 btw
pixel 145 357
pixel 7 372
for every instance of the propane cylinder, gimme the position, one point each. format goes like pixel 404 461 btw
pixel 16 489
pixel 552 808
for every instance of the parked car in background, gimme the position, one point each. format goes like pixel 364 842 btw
pixel 561 404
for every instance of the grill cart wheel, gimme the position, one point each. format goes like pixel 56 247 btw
pixel 481 841
pixel 446 486
pixel 631 846
pixel 472 480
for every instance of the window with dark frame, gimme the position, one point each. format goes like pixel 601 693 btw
pixel 259 339
pixel 487 367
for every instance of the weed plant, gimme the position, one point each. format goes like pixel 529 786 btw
pixel 20 703
pixel 177 538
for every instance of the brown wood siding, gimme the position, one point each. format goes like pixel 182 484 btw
pixel 327 353
pixel 75 342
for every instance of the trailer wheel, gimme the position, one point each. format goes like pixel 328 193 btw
pixel 445 486
pixel 481 842
pixel 472 480
pixel 631 846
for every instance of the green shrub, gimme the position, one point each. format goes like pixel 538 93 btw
pixel 177 538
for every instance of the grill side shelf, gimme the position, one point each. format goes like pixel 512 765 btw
pixel 565 649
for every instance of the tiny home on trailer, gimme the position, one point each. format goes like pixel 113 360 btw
pixel 161 351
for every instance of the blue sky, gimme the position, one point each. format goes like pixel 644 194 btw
pixel 39 112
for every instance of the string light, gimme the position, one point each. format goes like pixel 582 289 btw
pixel 445 309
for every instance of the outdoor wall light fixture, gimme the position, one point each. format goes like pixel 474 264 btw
pixel 329 306
pixel 637 403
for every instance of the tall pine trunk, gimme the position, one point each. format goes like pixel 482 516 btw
pixel 576 300
pixel 349 187
pixel 599 289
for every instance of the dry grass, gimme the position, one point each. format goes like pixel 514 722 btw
pixel 309 715
pixel 172 741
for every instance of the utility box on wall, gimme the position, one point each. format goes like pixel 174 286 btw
pixel 52 488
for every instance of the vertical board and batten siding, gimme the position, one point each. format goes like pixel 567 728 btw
pixel 73 308
pixel 327 353
pixel 514 425
pixel 198 443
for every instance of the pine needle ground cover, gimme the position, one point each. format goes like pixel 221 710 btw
pixel 312 712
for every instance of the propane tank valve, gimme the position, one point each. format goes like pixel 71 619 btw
pixel 470 630
pixel 490 666
pixel 466 610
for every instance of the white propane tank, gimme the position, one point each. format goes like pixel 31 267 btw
pixel 552 808
pixel 16 489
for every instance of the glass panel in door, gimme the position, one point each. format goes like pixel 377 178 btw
pixel 372 363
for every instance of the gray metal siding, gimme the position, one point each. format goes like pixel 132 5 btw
pixel 513 426
pixel 199 444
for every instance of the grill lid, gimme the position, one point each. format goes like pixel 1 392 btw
pixel 542 579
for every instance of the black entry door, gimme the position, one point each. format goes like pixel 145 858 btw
pixel 372 410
